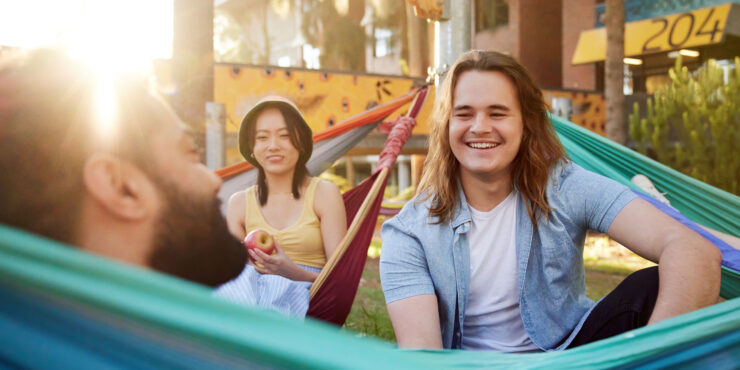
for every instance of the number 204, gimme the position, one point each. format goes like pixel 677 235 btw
pixel 674 38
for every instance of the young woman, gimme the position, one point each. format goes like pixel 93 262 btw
pixel 489 255
pixel 304 214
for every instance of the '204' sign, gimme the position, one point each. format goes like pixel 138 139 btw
pixel 698 27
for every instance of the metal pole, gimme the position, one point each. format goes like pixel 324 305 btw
pixel 215 133
pixel 454 36
pixel 451 36
pixel 404 172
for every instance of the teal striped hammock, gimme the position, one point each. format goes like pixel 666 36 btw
pixel 60 307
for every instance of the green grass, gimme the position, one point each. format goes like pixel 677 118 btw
pixel 369 316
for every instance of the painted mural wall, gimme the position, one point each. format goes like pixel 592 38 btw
pixel 589 109
pixel 325 98
pixel 328 98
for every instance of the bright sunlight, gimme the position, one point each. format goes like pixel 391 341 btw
pixel 112 36
pixel 119 34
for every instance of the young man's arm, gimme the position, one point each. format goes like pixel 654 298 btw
pixel 689 265
pixel 416 322
pixel 408 288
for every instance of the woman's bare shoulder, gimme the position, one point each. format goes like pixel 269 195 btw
pixel 239 196
pixel 325 187
pixel 328 198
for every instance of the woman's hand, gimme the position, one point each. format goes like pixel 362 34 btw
pixel 279 264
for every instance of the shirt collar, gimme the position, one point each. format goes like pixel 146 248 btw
pixel 461 214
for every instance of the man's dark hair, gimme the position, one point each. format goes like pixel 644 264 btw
pixel 49 127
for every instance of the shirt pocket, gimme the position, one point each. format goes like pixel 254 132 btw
pixel 559 265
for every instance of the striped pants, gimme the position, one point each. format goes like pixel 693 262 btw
pixel 272 292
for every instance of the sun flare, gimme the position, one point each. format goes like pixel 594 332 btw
pixel 120 34
pixel 111 36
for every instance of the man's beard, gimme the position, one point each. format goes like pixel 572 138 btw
pixel 192 240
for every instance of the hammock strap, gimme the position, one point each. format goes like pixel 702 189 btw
pixel 351 231
pixel 400 133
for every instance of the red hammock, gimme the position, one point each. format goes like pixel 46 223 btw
pixel 334 290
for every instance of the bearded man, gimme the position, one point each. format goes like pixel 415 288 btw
pixel 103 164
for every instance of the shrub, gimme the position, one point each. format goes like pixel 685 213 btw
pixel 692 124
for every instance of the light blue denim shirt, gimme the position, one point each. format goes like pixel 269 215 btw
pixel 419 257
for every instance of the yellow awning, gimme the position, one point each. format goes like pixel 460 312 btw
pixel 698 27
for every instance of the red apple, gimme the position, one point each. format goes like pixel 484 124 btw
pixel 260 239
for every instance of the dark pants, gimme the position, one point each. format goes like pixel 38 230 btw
pixel 628 307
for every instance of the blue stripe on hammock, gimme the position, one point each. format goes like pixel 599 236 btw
pixel 36 334
pixel 730 255
pixel 717 352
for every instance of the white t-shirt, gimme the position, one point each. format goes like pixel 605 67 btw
pixel 492 317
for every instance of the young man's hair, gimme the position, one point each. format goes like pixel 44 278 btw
pixel 539 150
pixel 301 138
pixel 50 123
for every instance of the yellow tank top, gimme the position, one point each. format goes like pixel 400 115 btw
pixel 302 241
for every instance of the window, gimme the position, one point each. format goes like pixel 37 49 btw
pixel 383 42
pixel 491 14
pixel 311 56
pixel 628 87
pixel 284 61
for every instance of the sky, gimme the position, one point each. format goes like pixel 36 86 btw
pixel 127 31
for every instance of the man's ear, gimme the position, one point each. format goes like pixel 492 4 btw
pixel 119 187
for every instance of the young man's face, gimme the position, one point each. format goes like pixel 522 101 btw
pixel 191 240
pixel 485 124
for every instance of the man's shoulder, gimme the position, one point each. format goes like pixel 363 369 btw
pixel 573 189
pixel 414 214
pixel 566 175
pixel 416 207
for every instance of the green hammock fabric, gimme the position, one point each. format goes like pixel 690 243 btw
pixel 171 320
pixel 61 306
pixel 696 200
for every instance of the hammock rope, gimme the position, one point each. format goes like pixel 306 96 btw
pixel 335 288
pixel 400 133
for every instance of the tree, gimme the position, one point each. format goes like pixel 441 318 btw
pixel 616 128
pixel 693 125
pixel 241 31
pixel 192 59
pixel 339 36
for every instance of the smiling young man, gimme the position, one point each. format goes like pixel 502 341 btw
pixel 489 254
pixel 102 164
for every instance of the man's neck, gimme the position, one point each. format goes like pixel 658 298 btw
pixel 485 193
pixel 112 238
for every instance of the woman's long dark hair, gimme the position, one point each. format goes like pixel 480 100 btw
pixel 301 138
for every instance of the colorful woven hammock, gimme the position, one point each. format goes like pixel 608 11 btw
pixel 61 307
